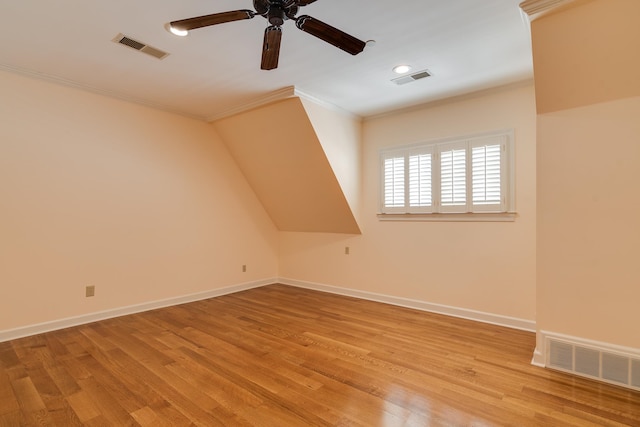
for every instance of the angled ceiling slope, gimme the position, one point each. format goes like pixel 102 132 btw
pixel 278 151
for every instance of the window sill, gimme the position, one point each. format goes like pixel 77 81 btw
pixel 451 217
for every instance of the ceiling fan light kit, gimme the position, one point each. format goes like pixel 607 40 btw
pixel 276 12
pixel 177 32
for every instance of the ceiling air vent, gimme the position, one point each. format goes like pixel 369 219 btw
pixel 412 77
pixel 144 48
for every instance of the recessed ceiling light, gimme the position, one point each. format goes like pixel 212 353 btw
pixel 401 69
pixel 176 31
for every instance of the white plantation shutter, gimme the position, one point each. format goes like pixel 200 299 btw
pixel 394 182
pixel 453 178
pixel 467 175
pixel 487 174
pixel 420 182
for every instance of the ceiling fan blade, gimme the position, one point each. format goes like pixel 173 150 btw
pixel 331 35
pixel 214 19
pixel 271 48
pixel 304 2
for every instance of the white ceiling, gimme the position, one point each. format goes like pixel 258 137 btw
pixel 467 45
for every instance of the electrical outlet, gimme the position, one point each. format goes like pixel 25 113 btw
pixel 244 268
pixel 346 250
pixel 90 291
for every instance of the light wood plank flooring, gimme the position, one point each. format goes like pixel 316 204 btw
pixel 283 356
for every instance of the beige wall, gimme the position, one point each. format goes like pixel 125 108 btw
pixel 277 149
pixel 586 54
pixel 587 66
pixel 589 222
pixel 419 260
pixel 144 205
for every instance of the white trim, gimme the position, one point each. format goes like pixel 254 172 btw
pixel 39 328
pixel 478 316
pixel 538 358
pixel 276 95
pixel 451 217
pixel 538 8
pixel 494 319
pixel 325 104
pixel 529 81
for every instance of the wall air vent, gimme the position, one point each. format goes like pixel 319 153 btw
pixel 139 46
pixel 412 77
pixel 592 362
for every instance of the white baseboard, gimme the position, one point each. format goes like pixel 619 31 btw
pixel 39 328
pixel 494 319
pixel 538 358
pixel 479 316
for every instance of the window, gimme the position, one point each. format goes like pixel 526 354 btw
pixel 473 174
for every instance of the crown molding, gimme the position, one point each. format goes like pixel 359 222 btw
pixel 88 88
pixel 453 99
pixel 538 8
pixel 278 95
pixel 325 104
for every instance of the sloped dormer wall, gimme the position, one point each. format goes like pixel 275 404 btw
pixel 279 151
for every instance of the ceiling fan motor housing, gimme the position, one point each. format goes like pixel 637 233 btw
pixel 276 15
pixel 276 11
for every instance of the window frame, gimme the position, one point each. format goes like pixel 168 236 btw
pixel 504 210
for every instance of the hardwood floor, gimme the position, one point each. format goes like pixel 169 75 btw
pixel 283 356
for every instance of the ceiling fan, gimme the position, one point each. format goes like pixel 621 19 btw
pixel 276 12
